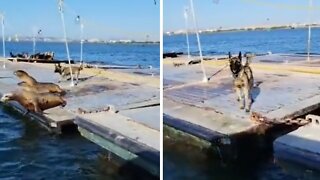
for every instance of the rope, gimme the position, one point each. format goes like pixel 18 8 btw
pixel 282 6
pixel 94 24
pixel 217 72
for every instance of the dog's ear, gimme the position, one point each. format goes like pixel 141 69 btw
pixel 240 56
pixel 229 55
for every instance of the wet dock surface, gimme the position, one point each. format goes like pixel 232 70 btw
pixel 280 92
pixel 101 93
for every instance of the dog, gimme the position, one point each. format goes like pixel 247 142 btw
pixel 65 71
pixel 243 80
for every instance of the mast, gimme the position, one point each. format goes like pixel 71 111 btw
pixel 60 5
pixel 205 78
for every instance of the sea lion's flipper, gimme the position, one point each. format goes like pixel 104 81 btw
pixel 37 108
pixel 26 112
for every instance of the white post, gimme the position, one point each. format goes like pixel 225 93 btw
pixel 205 79
pixel 34 43
pixel 3 41
pixel 78 20
pixel 309 30
pixel 81 42
pixel 60 4
pixel 186 14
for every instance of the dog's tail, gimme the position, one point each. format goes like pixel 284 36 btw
pixel 81 66
pixel 249 57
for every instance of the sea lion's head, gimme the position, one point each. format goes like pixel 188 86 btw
pixel 64 103
pixel 20 73
pixel 7 97
pixel 23 84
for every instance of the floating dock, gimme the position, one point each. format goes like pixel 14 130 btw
pixel 301 146
pixel 286 88
pixel 117 110
pixel 30 60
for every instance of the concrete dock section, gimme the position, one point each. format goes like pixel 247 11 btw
pixel 210 112
pixel 115 109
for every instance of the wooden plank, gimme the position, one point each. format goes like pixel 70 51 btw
pixel 296 155
pixel 194 129
pixel 40 61
pixel 151 167
pixel 121 140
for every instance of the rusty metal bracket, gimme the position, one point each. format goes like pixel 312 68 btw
pixel 258 118
pixel 313 119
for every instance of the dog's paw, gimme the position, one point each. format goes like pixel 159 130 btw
pixel 241 107
pixel 247 110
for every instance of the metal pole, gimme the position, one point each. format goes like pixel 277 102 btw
pixel 186 11
pixel 65 38
pixel 81 42
pixel 3 41
pixel 34 44
pixel 309 30
pixel 205 78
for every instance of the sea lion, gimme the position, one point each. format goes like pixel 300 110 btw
pixel 30 84
pixel 34 102
pixel 42 88
pixel 25 77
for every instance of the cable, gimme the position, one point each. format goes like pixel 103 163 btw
pixel 282 6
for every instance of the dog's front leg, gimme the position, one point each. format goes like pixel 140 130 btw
pixel 248 98
pixel 239 97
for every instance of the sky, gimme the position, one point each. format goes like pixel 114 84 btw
pixel 238 13
pixel 106 19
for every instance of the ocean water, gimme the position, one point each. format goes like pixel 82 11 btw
pixel 275 41
pixel 29 151
pixel 182 161
pixel 114 54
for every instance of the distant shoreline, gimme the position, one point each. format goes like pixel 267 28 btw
pixel 248 29
pixel 87 42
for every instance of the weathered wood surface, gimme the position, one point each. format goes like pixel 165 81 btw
pixel 277 94
pixel 136 101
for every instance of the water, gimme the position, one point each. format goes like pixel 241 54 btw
pixel 115 54
pixel 183 161
pixel 186 162
pixel 275 41
pixel 29 151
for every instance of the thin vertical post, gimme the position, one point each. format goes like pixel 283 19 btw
pixel 3 41
pixel 81 42
pixel 34 43
pixel 186 14
pixel 60 4
pixel 309 30
pixel 205 79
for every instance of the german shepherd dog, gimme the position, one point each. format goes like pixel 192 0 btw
pixel 65 71
pixel 243 80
